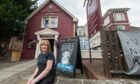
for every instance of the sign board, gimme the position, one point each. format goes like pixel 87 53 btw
pixel 94 17
pixel 130 41
pixel 70 57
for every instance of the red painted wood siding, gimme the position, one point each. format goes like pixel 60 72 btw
pixel 65 27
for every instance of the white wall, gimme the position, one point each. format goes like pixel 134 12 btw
pixel 94 54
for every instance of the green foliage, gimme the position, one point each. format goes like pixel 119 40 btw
pixel 12 16
pixel 28 5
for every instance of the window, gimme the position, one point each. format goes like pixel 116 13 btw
pixel 120 27
pixel 80 32
pixel 50 22
pixel 119 16
pixel 84 43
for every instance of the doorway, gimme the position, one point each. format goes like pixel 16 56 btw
pixel 52 45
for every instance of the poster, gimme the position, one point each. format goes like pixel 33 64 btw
pixel 68 58
pixel 130 41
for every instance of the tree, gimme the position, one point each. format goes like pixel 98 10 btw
pixel 28 5
pixel 12 16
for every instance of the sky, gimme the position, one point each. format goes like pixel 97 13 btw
pixel 78 10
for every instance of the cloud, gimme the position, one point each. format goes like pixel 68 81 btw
pixel 76 8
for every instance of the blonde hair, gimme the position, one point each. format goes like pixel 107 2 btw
pixel 45 42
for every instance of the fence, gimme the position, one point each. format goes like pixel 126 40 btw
pixel 113 56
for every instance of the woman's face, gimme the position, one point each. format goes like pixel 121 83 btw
pixel 44 48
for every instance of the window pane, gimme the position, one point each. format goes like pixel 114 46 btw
pixel 53 22
pixel 46 23
pixel 80 32
pixel 119 16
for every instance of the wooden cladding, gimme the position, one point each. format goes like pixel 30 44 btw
pixel 113 56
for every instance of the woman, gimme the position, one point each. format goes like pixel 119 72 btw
pixel 45 72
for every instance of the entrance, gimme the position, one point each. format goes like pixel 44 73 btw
pixel 50 35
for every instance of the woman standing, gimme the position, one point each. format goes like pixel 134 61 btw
pixel 45 72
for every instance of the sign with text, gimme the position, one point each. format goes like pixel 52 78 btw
pixel 130 41
pixel 67 60
pixel 94 17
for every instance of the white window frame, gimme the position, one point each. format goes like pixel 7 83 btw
pixel 80 32
pixel 119 16
pixel 120 27
pixel 49 18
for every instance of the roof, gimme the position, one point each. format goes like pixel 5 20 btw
pixel 116 10
pixel 44 4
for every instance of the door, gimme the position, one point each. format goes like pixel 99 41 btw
pixel 52 44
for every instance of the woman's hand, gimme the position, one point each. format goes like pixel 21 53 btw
pixel 33 82
pixel 29 81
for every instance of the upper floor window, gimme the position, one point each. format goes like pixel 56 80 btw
pixel 119 16
pixel 50 22
pixel 120 27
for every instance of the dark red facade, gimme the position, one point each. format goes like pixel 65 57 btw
pixel 94 17
pixel 65 27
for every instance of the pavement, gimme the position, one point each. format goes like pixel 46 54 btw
pixel 11 73
pixel 19 72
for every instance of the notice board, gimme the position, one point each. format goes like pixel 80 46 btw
pixel 70 57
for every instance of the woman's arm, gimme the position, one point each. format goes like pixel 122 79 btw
pixel 32 77
pixel 45 71
pixel 35 73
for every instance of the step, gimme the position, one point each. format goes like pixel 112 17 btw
pixel 61 80
pixel 86 81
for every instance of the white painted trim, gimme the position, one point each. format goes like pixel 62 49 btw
pixel 56 35
pixel 37 47
pixel 47 31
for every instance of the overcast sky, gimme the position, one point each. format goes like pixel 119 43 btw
pixel 77 9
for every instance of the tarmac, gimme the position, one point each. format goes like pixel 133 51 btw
pixel 19 72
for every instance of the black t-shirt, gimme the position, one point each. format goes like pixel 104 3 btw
pixel 42 60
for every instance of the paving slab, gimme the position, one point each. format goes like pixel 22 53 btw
pixel 14 73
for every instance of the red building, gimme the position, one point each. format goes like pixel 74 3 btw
pixel 116 19
pixel 49 21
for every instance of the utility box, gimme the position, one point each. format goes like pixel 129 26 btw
pixel 15 47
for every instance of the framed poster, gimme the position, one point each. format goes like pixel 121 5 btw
pixel 67 61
